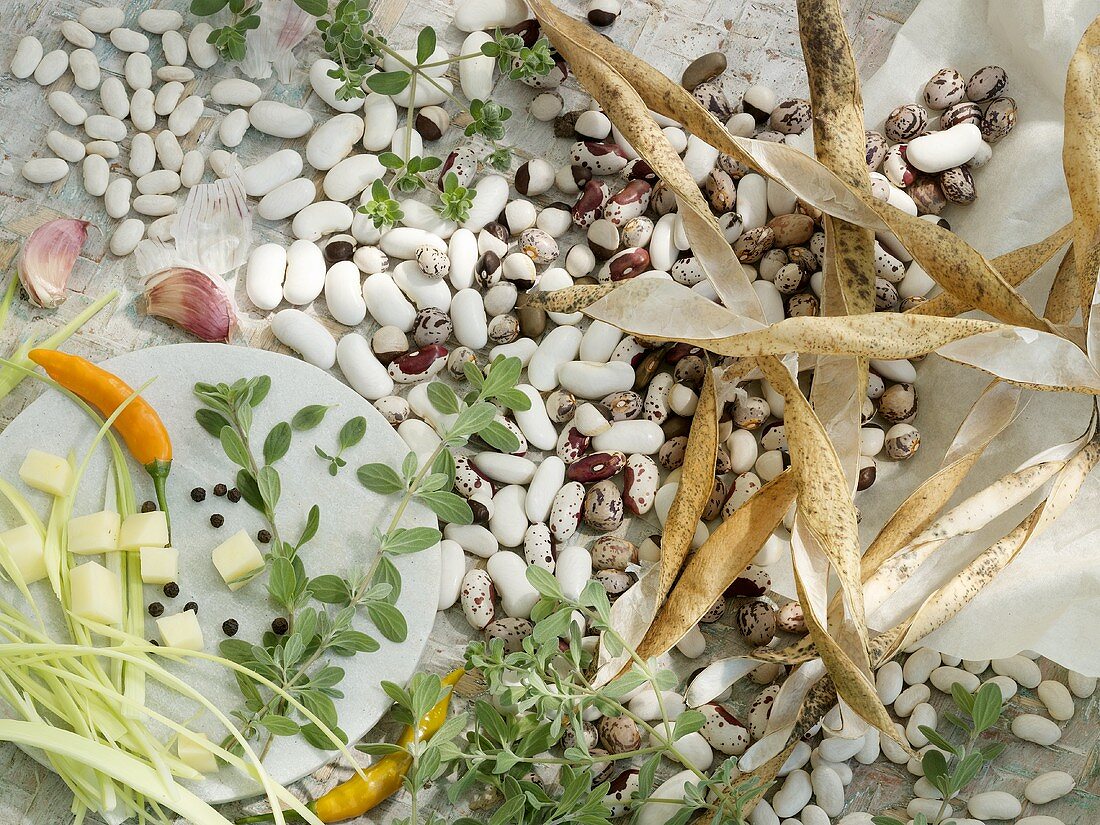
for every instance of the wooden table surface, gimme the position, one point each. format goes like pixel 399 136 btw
pixel 761 41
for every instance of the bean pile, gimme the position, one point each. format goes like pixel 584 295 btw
pixel 610 413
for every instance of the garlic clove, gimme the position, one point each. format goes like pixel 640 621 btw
pixel 192 300
pixel 47 258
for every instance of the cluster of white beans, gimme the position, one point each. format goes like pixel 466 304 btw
pixel 931 164
pixel 812 782
pixel 103 111
pixel 819 773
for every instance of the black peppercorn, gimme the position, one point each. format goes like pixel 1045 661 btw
pixel 217 520
pixel 156 609
pixel 148 506
pixel 220 489
pixel 198 494
pixel 234 495
pixel 192 606
pixel 171 590
pixel 230 627
pixel 264 537
pixel 280 626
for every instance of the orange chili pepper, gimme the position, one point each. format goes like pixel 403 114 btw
pixel 138 424
pixel 382 779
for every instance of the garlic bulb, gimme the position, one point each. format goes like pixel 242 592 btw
pixel 192 300
pixel 47 258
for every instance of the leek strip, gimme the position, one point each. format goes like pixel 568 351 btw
pixel 19 367
pixel 119 766
pixel 5 302
pixel 52 652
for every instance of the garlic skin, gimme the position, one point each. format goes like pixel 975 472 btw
pixel 192 300
pixel 47 258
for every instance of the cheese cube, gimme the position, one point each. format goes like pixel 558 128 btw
pixel 94 533
pixel 48 473
pixel 143 530
pixel 237 559
pixel 26 551
pixel 95 593
pixel 159 565
pixel 190 748
pixel 181 630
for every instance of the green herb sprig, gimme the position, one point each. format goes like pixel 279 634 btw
pixel 350 434
pixel 547 689
pixel 954 766
pixel 320 609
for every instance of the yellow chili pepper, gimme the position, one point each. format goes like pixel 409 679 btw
pixel 382 779
pixel 138 424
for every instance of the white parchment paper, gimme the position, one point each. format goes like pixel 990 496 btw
pixel 1048 599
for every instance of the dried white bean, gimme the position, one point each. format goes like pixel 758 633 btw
pixel 180 74
pixel 919 666
pixel 305 273
pixel 468 317
pixel 85 68
pixel 28 54
pixel 1082 686
pixel 235 92
pixel 490 197
pixel 326 87
pixel 265 274
pixel 320 219
pixel 1038 729
pixel 280 120
pixel 380 117
pixel 924 715
pixel 287 199
pixel 573 570
pixel 169 151
pixel 116 199
pixel 65 146
pixel 159 21
pixel 333 140
pixel 186 115
pixel 1049 786
pixel 167 98
pixel 51 67
pixel 548 479
pixel 994 805
pixel 232 128
pixel 142 113
pixel 910 698
pixel 175 48
pixel 386 303
pixel 943 678
pixel 44 170
pixel 305 335
pixel 96 174
pixel 101 20
pixel 1020 668
pixel 138 71
pixel 154 206
pixel 475 74
pixel 129 40
pixel 793 795
pixel 275 170
pixel 364 372
pixel 474 539
pixel 193 168
pixel 126 237
pixel 143 154
pixel 640 436
pixel 160 182
pixel 203 54
pixel 509 574
pixel 351 176
pixel 828 790
pixel 344 295
pixel 1057 698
